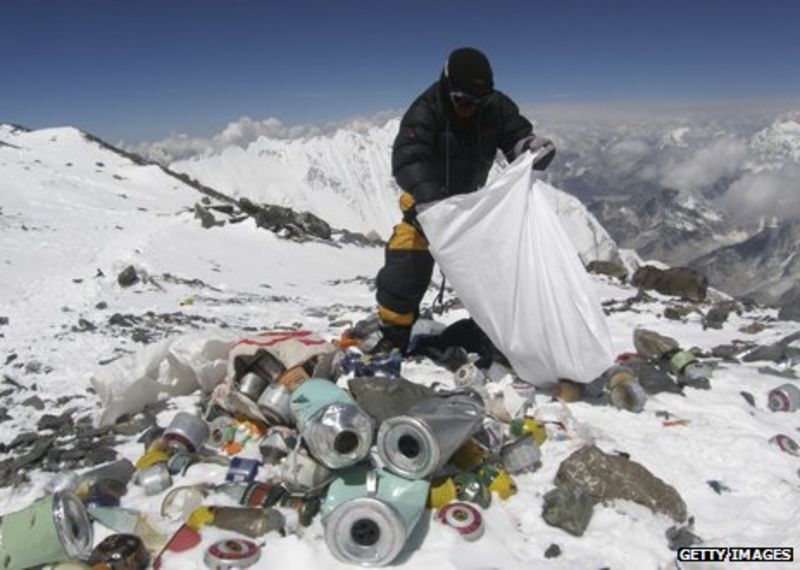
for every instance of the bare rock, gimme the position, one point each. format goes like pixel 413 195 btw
pixel 609 268
pixel 569 508
pixel 677 281
pixel 611 477
pixel 128 276
pixel 34 402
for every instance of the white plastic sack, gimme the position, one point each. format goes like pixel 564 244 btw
pixel 173 367
pixel 513 267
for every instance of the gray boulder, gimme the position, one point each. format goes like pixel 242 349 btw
pixel 608 268
pixel 677 281
pixel 612 477
pixel 568 508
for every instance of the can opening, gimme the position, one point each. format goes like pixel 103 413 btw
pixel 408 446
pixel 345 442
pixel 365 532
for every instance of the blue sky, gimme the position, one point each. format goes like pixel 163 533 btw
pixel 140 70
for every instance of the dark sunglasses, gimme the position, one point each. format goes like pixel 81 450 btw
pixel 463 99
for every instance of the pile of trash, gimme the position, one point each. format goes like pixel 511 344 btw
pixel 300 429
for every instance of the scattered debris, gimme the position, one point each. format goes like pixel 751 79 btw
pixel 128 276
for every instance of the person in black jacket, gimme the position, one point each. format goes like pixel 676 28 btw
pixel 446 145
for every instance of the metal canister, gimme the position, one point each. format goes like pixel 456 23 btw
pixel 274 404
pixel 221 431
pixel 268 367
pixel 121 552
pixel 336 430
pixel 242 470
pixel 154 479
pixel 465 519
pixel 179 462
pixel 629 396
pixel 252 385
pixel 679 360
pixel 521 455
pixel 52 529
pixel 187 432
pixel 419 442
pixel 232 554
pixel 785 398
pixel 369 514
pixel 786 444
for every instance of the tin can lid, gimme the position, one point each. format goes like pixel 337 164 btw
pixel 232 553
pixel 75 530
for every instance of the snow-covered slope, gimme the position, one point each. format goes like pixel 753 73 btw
pixel 65 216
pixel 346 179
pixel 781 140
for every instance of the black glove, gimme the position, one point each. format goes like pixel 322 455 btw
pixel 544 149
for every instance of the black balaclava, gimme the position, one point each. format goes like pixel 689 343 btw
pixel 468 70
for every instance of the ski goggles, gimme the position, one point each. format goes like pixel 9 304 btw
pixel 464 99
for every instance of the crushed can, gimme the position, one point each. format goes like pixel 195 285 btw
pixel 521 455
pixel 251 522
pixel 529 426
pixel 232 554
pixel 278 443
pixel 471 489
pixel 419 443
pixel 256 494
pixel 679 360
pixel 465 519
pixel 274 404
pixel 52 529
pixel 785 398
pixel 186 433
pixel 336 430
pixel 222 431
pixel 369 514
pixel 303 473
pixel 120 551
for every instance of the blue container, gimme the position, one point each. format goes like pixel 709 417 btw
pixel 242 470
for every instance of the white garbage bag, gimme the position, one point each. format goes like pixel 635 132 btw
pixel 513 267
pixel 173 367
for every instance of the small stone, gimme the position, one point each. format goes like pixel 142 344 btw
pixel 33 367
pixel 100 455
pixel 141 335
pixel 553 551
pixel 84 326
pixel 101 305
pixel 681 537
pixel 134 426
pixel 748 398
pixel 718 487
pixel 55 423
pixel 23 440
pixel 4 417
pixel 127 276
pixel 34 402
pixel 569 508
pixel 11 358
pixel 3 321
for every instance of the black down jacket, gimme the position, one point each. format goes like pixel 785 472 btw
pixel 437 154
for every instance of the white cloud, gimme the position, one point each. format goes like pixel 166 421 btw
pixel 242 132
pixel 719 159
pixel 771 193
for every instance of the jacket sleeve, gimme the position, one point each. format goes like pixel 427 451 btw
pixel 517 130
pixel 413 164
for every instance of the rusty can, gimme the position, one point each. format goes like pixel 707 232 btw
pixel 786 444
pixel 785 398
pixel 120 552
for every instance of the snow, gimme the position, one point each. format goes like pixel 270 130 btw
pixel 59 225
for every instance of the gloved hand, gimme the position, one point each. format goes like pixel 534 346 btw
pixel 544 148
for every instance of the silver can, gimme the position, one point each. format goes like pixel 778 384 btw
pixel 785 398
pixel 419 442
pixel 232 554
pixel 521 455
pixel 154 479
pixel 252 385
pixel 186 431
pixel 274 403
